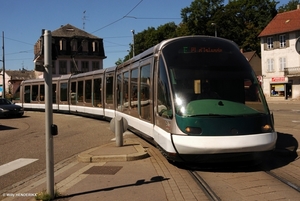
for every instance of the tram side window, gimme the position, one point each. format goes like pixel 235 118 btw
pixel 35 93
pixel 119 91
pixel 163 93
pixel 125 89
pixel 88 91
pixel 73 93
pixel 53 93
pixel 42 92
pixel 63 91
pixel 97 93
pixel 27 94
pixel 80 91
pixel 134 88
pixel 145 84
pixel 109 90
pixel 17 94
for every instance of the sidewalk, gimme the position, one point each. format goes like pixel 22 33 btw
pixel 283 101
pixel 135 171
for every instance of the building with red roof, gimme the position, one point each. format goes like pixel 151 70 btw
pixel 280 48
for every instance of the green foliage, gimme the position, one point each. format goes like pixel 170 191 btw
pixel 44 196
pixel 243 20
pixel 199 16
pixel 119 61
pixel 240 21
pixel 291 5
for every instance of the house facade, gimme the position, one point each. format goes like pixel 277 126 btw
pixel 13 79
pixel 77 51
pixel 255 62
pixel 280 57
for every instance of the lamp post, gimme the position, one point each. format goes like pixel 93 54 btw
pixel 3 67
pixel 133 54
pixel 3 81
pixel 215 24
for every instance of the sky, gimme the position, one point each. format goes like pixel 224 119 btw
pixel 22 22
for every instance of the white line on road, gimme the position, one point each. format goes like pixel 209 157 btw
pixel 16 164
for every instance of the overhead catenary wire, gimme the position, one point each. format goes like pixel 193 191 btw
pixel 119 18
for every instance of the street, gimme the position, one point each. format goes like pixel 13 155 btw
pixel 24 138
pixel 287 119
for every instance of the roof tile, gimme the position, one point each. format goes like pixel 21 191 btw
pixel 283 23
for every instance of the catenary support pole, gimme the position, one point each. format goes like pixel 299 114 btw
pixel 3 67
pixel 48 112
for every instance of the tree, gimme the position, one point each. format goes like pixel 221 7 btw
pixel 198 17
pixel 119 61
pixel 241 21
pixel 291 5
pixel 151 37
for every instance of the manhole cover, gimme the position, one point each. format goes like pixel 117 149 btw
pixel 103 170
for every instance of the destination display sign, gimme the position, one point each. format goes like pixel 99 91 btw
pixel 188 49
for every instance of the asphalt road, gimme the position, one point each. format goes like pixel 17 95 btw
pixel 287 124
pixel 25 138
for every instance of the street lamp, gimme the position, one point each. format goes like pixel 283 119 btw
pixel 215 24
pixel 133 54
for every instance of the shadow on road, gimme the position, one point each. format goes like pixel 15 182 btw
pixel 138 183
pixel 3 128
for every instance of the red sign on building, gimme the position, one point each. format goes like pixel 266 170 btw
pixel 278 79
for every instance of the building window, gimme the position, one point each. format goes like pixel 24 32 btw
pixel 282 63
pixel 85 66
pixel 85 46
pixel 62 67
pixel 95 65
pixel 53 68
pixel 282 41
pixel 270 42
pixel 73 66
pixel 74 45
pixel 277 90
pixel 270 65
pixel 95 46
pixel 62 44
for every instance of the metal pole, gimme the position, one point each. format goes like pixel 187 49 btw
pixel 48 112
pixel 215 24
pixel 119 131
pixel 133 53
pixel 3 70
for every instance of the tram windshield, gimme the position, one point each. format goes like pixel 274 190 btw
pixel 211 77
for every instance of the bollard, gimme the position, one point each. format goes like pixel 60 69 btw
pixel 119 131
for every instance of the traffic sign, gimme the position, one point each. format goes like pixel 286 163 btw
pixel 297 45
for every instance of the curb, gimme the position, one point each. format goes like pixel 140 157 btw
pixel 87 157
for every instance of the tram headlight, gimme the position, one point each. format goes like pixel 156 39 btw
pixel 266 128
pixel 193 130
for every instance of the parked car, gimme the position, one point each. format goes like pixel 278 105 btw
pixel 9 109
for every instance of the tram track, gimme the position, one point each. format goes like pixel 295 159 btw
pixel 284 180
pixel 272 178
pixel 204 186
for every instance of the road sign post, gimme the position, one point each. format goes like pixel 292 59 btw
pixel 48 112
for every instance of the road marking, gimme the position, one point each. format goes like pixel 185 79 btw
pixel 16 164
